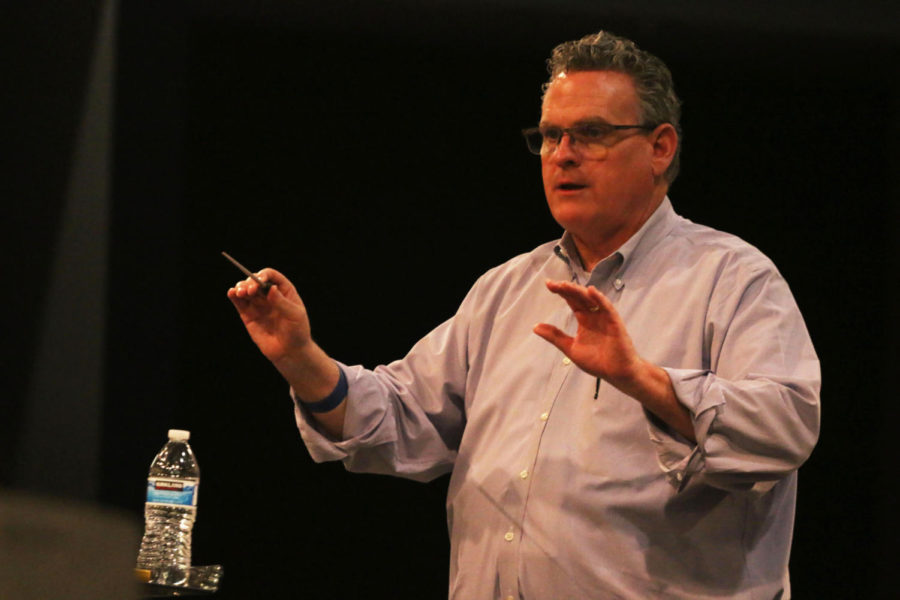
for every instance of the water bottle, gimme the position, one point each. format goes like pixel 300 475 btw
pixel 170 511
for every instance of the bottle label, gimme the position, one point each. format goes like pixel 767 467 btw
pixel 174 492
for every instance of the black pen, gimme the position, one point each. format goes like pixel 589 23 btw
pixel 264 285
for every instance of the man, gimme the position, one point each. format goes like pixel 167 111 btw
pixel 650 449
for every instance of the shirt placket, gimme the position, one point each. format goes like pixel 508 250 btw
pixel 509 556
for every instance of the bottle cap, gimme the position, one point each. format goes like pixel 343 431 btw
pixel 179 435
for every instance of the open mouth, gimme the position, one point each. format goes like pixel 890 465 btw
pixel 570 187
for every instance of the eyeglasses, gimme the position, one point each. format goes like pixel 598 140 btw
pixel 590 136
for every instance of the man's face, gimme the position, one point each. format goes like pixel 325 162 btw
pixel 607 191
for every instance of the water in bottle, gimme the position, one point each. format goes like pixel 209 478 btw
pixel 170 511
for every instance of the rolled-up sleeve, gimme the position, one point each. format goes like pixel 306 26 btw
pixel 756 409
pixel 405 418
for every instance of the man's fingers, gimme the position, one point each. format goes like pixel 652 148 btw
pixel 579 297
pixel 239 303
pixel 248 288
pixel 269 274
pixel 241 288
pixel 275 278
pixel 573 296
pixel 555 336
pixel 599 301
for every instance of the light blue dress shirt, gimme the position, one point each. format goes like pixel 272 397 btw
pixel 555 494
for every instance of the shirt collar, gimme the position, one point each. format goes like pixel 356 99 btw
pixel 652 231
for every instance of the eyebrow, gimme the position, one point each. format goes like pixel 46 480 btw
pixel 587 121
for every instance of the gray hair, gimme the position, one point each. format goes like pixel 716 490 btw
pixel 604 51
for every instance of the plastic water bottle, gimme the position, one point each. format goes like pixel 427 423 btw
pixel 170 511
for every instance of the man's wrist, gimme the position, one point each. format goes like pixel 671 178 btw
pixel 312 374
pixel 332 400
pixel 654 390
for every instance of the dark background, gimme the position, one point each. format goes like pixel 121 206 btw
pixel 371 151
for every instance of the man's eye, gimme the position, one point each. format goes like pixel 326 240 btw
pixel 552 134
pixel 593 132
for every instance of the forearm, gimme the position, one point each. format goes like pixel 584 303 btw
pixel 405 418
pixel 758 428
pixel 313 375
pixel 651 386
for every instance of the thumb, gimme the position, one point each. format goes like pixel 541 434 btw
pixel 555 336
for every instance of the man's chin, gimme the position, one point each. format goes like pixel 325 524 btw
pixel 573 220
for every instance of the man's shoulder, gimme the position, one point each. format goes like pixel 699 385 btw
pixel 519 270
pixel 703 244
pixel 535 257
pixel 525 263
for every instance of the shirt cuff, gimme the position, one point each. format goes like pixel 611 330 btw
pixel 678 457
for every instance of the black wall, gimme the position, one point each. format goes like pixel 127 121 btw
pixel 373 155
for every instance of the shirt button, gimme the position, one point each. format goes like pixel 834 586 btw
pixel 510 536
pixel 524 474
pixel 545 416
pixel 567 361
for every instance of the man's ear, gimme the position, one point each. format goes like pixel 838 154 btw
pixel 665 143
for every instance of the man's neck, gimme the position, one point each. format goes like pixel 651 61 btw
pixel 598 245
